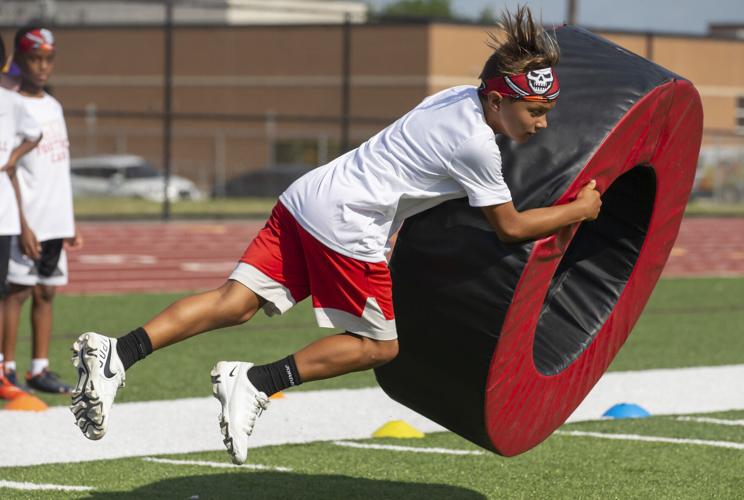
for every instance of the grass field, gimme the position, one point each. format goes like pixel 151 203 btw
pixel 563 467
pixel 688 322
pixel 131 208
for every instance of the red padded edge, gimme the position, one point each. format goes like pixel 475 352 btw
pixel 523 407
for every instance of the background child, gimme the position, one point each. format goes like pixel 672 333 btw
pixel 326 239
pixel 10 77
pixel 15 123
pixel 38 263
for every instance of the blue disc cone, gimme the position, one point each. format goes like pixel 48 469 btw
pixel 626 410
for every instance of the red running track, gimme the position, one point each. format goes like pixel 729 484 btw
pixel 181 256
pixel 156 257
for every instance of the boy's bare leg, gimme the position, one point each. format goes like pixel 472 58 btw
pixel 12 306
pixel 40 378
pixel 229 305
pixel 101 361
pixel 243 389
pixel 343 353
pixel 233 304
pixel 41 320
pixel 7 389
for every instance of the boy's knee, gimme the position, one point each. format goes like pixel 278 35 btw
pixel 18 293
pixel 44 293
pixel 382 351
pixel 239 304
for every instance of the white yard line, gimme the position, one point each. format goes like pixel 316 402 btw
pixel 14 485
pixel 412 449
pixel 674 391
pixel 216 465
pixel 708 420
pixel 190 425
pixel 653 439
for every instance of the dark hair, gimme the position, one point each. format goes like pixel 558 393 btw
pixel 2 53
pixel 520 45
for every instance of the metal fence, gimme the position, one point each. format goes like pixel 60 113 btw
pixel 275 152
pixel 163 88
pixel 720 173
pixel 231 156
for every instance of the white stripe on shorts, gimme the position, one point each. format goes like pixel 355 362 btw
pixel 372 324
pixel 278 298
pixel 22 269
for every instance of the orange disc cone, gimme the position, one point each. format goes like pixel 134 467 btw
pixel 26 402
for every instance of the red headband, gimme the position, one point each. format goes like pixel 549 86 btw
pixel 539 85
pixel 40 38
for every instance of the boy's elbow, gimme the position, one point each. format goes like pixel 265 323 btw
pixel 511 233
pixel 507 223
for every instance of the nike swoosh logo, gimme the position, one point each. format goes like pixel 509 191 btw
pixel 107 367
pixel 232 372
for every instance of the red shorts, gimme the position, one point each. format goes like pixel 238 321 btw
pixel 285 264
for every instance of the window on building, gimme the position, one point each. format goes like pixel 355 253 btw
pixel 306 152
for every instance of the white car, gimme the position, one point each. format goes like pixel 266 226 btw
pixel 127 176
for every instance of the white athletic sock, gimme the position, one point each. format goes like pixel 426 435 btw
pixel 38 365
pixel 10 366
pixel 2 357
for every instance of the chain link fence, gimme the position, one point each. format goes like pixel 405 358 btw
pixel 720 173
pixel 240 98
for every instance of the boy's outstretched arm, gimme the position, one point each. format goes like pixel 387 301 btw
pixel 21 150
pixel 512 226
pixel 29 245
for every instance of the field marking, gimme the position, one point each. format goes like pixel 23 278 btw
pixel 390 447
pixel 116 259
pixel 208 267
pixel 15 485
pixel 217 465
pixel 653 439
pixel 708 420
pixel 669 391
pixel 148 428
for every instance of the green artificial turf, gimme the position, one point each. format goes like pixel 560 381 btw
pixel 562 467
pixel 688 322
pixel 109 208
pixel 112 208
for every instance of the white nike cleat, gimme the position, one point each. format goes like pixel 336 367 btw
pixel 241 403
pixel 100 374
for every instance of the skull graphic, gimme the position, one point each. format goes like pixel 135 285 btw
pixel 540 80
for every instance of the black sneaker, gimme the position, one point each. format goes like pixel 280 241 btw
pixel 47 381
pixel 13 379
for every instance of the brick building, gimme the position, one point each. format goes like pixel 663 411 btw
pixel 250 97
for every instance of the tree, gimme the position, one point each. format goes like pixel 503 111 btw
pixel 419 8
pixel 487 16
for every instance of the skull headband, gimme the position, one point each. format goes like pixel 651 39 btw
pixel 540 85
pixel 36 39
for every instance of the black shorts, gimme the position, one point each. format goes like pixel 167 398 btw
pixel 50 252
pixel 4 259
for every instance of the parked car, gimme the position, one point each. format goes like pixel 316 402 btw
pixel 127 176
pixel 720 175
pixel 265 182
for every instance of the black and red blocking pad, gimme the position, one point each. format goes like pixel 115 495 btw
pixel 500 343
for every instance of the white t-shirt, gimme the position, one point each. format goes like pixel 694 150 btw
pixel 441 150
pixel 15 123
pixel 44 173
